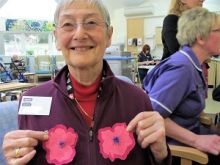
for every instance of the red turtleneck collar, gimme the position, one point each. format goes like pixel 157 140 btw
pixel 86 96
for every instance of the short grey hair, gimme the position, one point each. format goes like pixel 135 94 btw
pixel 196 22
pixel 97 3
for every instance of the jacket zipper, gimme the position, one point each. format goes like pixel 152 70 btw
pixel 91 132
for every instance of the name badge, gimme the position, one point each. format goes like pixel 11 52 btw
pixel 34 105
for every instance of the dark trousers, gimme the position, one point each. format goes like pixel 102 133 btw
pixel 142 73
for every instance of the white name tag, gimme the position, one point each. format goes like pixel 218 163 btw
pixel 33 105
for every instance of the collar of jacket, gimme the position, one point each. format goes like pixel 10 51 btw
pixel 107 82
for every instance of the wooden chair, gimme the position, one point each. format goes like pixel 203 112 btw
pixel 189 154
pixel 43 63
pixel 43 68
pixel 205 119
pixel 59 61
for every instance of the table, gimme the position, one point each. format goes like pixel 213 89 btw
pixel 31 77
pixel 15 86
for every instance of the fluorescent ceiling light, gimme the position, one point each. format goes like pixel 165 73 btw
pixel 29 9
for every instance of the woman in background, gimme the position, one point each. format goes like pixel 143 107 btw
pixel 144 58
pixel 169 30
pixel 177 86
pixel 17 66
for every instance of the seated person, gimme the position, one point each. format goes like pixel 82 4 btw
pixel 2 70
pixel 144 58
pixel 90 112
pixel 177 86
pixel 4 74
pixel 17 66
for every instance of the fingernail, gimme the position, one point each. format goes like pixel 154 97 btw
pixel 128 128
pixel 46 134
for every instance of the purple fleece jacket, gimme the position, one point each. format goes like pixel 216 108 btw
pixel 118 102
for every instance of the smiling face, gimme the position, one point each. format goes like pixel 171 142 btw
pixel 82 35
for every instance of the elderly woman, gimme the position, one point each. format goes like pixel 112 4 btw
pixel 17 66
pixel 177 86
pixel 90 115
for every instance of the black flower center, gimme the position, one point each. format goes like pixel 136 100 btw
pixel 116 140
pixel 61 144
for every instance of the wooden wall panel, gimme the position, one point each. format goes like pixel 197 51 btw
pixel 158 40
pixel 135 29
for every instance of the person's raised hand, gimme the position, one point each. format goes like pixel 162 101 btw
pixel 19 145
pixel 150 129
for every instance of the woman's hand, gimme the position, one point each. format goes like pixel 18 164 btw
pixel 150 129
pixel 208 143
pixel 18 146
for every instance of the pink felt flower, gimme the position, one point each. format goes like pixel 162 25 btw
pixel 115 142
pixel 60 148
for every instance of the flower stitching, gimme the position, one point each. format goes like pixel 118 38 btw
pixel 62 141
pixel 115 142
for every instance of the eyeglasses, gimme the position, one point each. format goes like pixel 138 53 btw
pixel 89 25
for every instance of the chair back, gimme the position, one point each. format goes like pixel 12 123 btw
pixel 60 62
pixel 8 121
pixel 125 78
pixel 43 63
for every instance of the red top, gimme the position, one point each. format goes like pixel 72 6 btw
pixel 86 96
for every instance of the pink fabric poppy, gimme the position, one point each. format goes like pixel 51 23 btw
pixel 115 142
pixel 60 148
